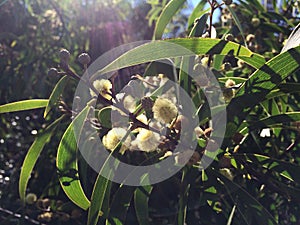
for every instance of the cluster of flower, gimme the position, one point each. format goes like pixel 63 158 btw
pixel 145 133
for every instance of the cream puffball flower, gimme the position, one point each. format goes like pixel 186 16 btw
pixel 103 86
pixel 113 137
pixel 147 140
pixel 164 110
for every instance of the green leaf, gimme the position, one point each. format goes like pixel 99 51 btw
pixel 199 26
pixel 259 85
pixel 283 90
pixel 218 61
pixel 33 155
pixel 272 73
pixel 23 105
pixel 55 95
pixel 245 197
pixel 237 80
pixel 141 198
pixel 97 199
pixel 166 15
pixel 185 80
pixel 237 22
pixel 187 63
pixel 66 162
pixel 183 200
pixel 173 48
pixel 120 204
pixel 100 190
pixel 257 5
pixel 104 117
pixel 288 169
pixel 255 60
pixel 197 12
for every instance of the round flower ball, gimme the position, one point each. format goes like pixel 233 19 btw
pixel 147 140
pixel 164 110
pixel 113 137
pixel 104 87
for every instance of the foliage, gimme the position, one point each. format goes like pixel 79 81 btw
pixel 253 175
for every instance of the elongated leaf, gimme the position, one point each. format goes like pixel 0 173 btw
pixel 275 164
pixel 199 26
pixel 98 196
pixel 54 97
pixel 187 62
pixel 23 105
pixel 257 5
pixel 183 200
pixel 261 83
pixel 101 185
pixel 33 155
pixel 66 162
pixel 293 40
pixel 172 48
pixel 166 15
pixel 141 198
pixel 120 204
pixel 197 12
pixel 255 60
pixel 272 73
pixel 283 90
pixel 185 80
pixel 237 22
pixel 276 119
pixel 246 198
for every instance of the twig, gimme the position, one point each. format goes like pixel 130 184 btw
pixel 16 215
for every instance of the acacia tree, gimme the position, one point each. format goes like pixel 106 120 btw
pixel 215 112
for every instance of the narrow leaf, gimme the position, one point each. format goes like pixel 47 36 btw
pixel 259 85
pixel 33 155
pixel 199 26
pixel 120 204
pixel 173 48
pixel 275 164
pixel 255 60
pixel 276 119
pixel 23 105
pixel 66 162
pixel 141 198
pixel 246 198
pixel 54 97
pixel 196 13
pixel 166 15
pixel 97 199
pixel 183 200
pixel 237 22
